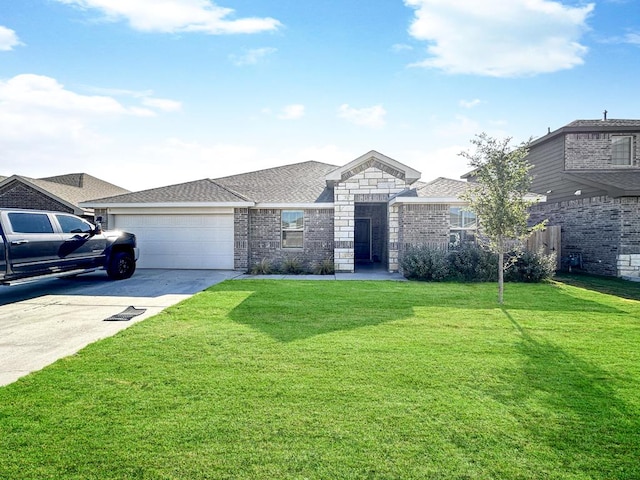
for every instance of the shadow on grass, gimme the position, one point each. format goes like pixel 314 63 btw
pixel 607 285
pixel 303 309
pixel 555 391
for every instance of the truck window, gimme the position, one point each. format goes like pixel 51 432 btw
pixel 30 222
pixel 70 224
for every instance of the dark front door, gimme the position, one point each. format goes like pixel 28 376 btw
pixel 362 242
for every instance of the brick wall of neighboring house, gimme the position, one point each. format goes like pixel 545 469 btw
pixel 241 239
pixel 265 237
pixel 591 150
pixel 423 224
pixel 603 230
pixel 19 195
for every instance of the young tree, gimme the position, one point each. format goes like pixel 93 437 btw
pixel 500 183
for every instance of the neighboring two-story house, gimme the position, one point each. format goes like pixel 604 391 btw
pixel 589 171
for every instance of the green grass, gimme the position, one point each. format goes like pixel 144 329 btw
pixel 343 380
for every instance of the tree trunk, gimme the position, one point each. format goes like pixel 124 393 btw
pixel 500 272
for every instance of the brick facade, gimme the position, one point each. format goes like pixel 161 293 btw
pixel 592 151
pixel 19 195
pixel 241 239
pixel 423 224
pixel 265 237
pixel 605 232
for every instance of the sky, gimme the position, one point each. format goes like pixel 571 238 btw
pixel 149 93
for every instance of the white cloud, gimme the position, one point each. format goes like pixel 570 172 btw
pixel 172 16
pixel 292 112
pixel 43 122
pixel 252 57
pixel 442 162
pixel 8 39
pixel 470 103
pixel 163 104
pixel 500 38
pixel 372 117
pixel 401 47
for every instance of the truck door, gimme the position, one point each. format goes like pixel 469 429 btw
pixel 32 242
pixel 81 246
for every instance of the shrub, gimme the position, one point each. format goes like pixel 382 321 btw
pixel 530 267
pixel 425 263
pixel 325 267
pixel 263 267
pixel 292 266
pixel 473 264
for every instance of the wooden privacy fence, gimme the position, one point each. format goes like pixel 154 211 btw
pixel 547 241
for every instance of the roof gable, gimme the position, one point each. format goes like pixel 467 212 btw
pixel 376 160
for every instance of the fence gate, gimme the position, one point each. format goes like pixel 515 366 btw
pixel 547 241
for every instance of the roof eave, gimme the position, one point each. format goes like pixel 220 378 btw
pixel 167 204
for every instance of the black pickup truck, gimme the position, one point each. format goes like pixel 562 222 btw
pixel 37 244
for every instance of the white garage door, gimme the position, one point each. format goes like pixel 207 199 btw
pixel 181 241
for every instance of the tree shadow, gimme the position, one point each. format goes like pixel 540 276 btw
pixel 606 285
pixel 573 406
pixel 306 313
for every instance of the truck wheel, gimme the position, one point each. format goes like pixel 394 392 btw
pixel 121 266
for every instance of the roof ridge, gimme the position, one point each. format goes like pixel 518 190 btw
pixel 231 191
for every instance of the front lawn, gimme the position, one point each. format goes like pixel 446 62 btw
pixel 343 380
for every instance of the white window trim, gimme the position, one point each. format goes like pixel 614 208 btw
pixel 283 230
pixel 631 152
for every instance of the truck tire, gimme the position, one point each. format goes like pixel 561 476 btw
pixel 121 266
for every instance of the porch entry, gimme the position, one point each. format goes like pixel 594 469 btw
pixel 370 234
pixel 362 241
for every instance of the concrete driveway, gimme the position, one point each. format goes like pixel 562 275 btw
pixel 41 322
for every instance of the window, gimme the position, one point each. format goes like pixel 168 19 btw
pixel 292 228
pixel 621 150
pixel 462 227
pixel 71 224
pixel 30 223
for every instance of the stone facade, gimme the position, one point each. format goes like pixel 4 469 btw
pixel 264 237
pixel 370 183
pixel 604 231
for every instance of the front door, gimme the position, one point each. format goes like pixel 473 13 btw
pixel 362 242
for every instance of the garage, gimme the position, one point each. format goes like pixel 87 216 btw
pixel 196 241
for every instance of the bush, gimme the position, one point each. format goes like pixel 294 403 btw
pixel 474 264
pixel 530 267
pixel 325 267
pixel 263 267
pixel 292 266
pixel 425 263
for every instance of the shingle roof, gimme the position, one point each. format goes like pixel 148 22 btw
pixel 72 188
pixel 205 190
pixel 614 122
pixel 587 126
pixel 442 187
pixel 78 187
pixel 297 183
